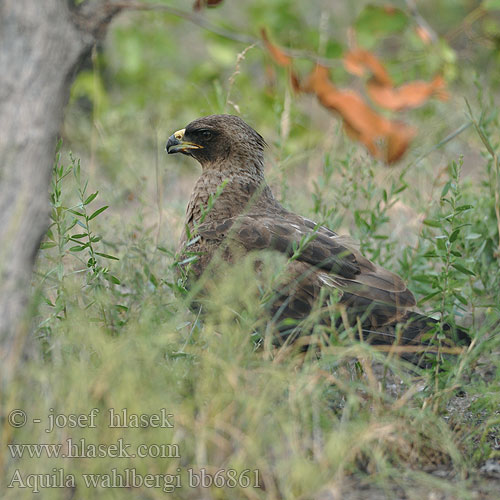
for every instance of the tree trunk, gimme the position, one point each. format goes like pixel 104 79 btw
pixel 41 44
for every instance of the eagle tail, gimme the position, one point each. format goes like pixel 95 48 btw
pixel 416 329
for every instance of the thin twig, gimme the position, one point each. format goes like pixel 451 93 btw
pixel 420 21
pixel 159 188
pixel 188 16
pixel 468 21
pixel 239 58
pixel 201 21
pixel 496 168
pixel 402 349
pixel 441 143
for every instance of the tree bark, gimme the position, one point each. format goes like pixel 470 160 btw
pixel 41 45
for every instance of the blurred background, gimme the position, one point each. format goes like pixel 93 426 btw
pixel 155 72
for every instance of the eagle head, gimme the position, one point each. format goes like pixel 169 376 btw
pixel 219 139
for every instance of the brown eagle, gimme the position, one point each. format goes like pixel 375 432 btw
pixel 244 216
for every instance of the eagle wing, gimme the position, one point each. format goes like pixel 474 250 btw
pixel 335 260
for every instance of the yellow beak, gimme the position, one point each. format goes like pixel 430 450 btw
pixel 177 144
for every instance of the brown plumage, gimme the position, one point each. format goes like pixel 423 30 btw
pixel 245 217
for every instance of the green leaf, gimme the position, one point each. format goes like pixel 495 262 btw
pixel 491 4
pixel 462 269
pixel 78 248
pixel 441 242
pixel 400 189
pixel 429 296
pixel 90 198
pixel 423 278
pixel 460 298
pixel 78 236
pixel 376 21
pixel 454 235
pixel 446 188
pixel 153 279
pixel 432 223
pixel 106 256
pixel 75 212
pixel 47 244
pixel 98 211
pixel 165 250
pixel 112 279
pixel 193 241
pixel 48 302
pixel 430 254
pixel 462 208
pixel 333 49
pixel 188 260
pixel 60 271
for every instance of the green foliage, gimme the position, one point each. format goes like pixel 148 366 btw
pixel 491 4
pixel 374 22
pixel 449 284
pixel 62 240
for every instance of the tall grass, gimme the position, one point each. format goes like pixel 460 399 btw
pixel 120 334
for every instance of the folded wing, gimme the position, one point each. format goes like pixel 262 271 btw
pixel 336 261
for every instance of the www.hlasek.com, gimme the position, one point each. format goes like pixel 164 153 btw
pixel 130 478
pixel 82 449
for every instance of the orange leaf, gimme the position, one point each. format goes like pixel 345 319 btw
pixel 357 61
pixel 201 4
pixel 276 53
pixel 423 34
pixel 281 59
pixel 384 139
pixel 295 82
pixel 398 141
pixel 410 95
